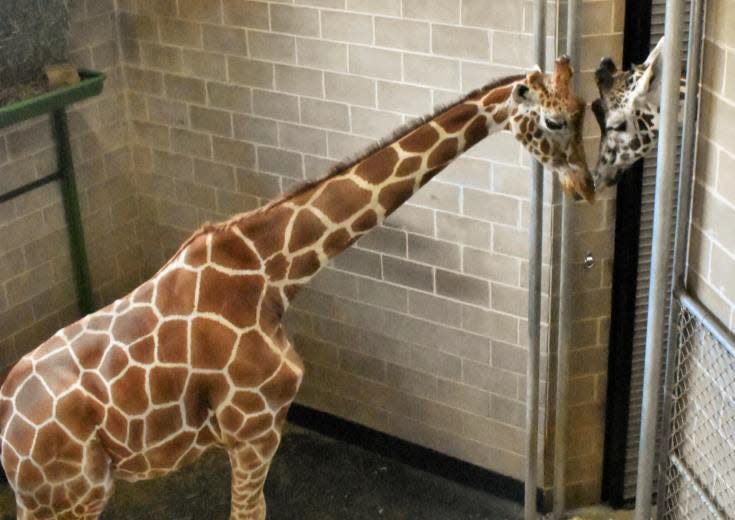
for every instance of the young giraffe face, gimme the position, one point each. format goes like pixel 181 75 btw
pixel 628 114
pixel 548 121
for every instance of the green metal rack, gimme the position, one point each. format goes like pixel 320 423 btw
pixel 55 103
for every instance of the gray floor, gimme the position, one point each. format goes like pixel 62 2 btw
pixel 313 478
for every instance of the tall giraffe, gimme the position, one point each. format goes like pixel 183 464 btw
pixel 197 356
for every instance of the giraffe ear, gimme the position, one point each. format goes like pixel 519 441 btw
pixel 604 75
pixel 650 82
pixel 521 93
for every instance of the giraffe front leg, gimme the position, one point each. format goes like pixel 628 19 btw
pixel 250 465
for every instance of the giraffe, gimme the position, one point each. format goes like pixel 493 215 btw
pixel 627 112
pixel 197 357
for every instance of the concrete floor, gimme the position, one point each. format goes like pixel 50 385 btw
pixel 313 478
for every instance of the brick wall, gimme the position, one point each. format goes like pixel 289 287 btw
pixel 36 287
pixel 419 330
pixel 712 248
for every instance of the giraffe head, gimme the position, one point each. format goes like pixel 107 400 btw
pixel 628 114
pixel 547 119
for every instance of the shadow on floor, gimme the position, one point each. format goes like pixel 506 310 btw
pixel 313 478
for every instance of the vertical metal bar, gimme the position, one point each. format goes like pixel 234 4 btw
pixel 683 214
pixel 70 198
pixel 566 316
pixel 534 294
pixel 662 224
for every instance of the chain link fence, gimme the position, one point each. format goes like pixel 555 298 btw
pixel 700 472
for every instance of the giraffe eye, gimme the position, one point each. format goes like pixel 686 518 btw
pixel 622 127
pixel 552 124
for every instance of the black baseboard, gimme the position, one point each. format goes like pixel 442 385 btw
pixel 411 454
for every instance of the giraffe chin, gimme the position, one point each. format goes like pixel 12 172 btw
pixel 578 183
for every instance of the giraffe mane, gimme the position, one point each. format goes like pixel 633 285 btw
pixel 394 136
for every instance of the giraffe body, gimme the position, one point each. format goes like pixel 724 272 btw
pixel 197 356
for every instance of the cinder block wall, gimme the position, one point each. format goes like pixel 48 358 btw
pixel 36 288
pixel 420 330
pixel 712 248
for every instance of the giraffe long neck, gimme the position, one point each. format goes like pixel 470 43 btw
pixel 321 221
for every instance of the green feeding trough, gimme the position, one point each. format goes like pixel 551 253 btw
pixel 90 85
pixel 54 103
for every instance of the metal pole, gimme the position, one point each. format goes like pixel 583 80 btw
pixel 566 316
pixel 662 217
pixel 683 214
pixel 534 294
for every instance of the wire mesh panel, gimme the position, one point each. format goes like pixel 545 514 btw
pixel 700 474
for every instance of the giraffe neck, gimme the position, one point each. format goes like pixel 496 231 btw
pixel 302 232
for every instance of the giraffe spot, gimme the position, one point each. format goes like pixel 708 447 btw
pixel 500 115
pixel 161 423
pixel 524 126
pixel 211 344
pixel 282 388
pixel 58 371
pixel 304 265
pixel 497 95
pixel 79 413
pixel 476 132
pixel 175 293
pixel 16 377
pixel 29 478
pixel 136 427
pixel 74 330
pixel 443 153
pixel 235 298
pixel 229 250
pixel 338 242
pixel 54 443
pixel 280 418
pixel 144 293
pixel 173 341
pixel 635 144
pixel 10 462
pixel 267 229
pixel 52 344
pixel 99 323
pixel 137 465
pixel 203 392
pixel 420 140
pixel 116 425
pixel 276 267
pixel 33 401
pixel 114 362
pixel 166 455
pixel 94 384
pixel 307 229
pixel 133 325
pixel 545 147
pixel 230 419
pixel 456 118
pixel 291 291
pixel 58 471
pixel 60 498
pixel 254 361
pixel 206 437
pixel 271 310
pixel 129 393
pixel 266 445
pixel 248 402
pixel 195 254
pixel 142 350
pixel 255 426
pixel 364 222
pixel 378 166
pixel 89 349
pixel 43 494
pixel 392 196
pixel 19 434
pixel 408 166
pixel 341 199
pixel 167 384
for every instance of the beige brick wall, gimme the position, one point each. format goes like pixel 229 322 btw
pixel 712 248
pixel 36 287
